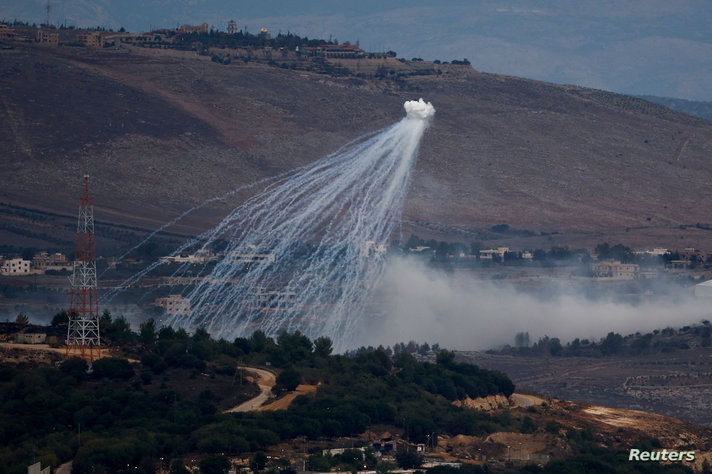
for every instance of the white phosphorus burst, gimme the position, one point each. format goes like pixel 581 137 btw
pixel 300 254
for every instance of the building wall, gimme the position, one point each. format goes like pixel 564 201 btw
pixel 31 338
pixel 91 40
pixel 15 266
pixel 48 38
pixel 175 305
pixel 615 270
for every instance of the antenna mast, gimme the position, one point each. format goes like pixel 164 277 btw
pixel 47 8
pixel 83 329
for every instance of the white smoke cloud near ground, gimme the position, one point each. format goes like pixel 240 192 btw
pixel 421 303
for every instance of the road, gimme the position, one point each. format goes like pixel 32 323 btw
pixel 265 381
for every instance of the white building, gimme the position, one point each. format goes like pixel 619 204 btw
pixel 274 299
pixel 615 270
pixel 15 266
pixel 371 249
pixel 249 255
pixel 175 305
pixel 199 257
pixel 487 254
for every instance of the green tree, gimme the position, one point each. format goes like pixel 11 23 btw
pixel 521 339
pixel 147 332
pixel 445 358
pixel 259 461
pixel 178 467
pixel 323 347
pixel 287 381
pixel 553 427
pixel 215 465
pixel 258 341
pixel 295 346
pixel 112 367
pixel 612 344
pixel 317 462
pixel 60 319
pixel 528 426
pixel 28 253
pixel 75 367
pixel 409 459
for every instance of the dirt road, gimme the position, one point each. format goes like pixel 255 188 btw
pixel 265 380
pixel 284 402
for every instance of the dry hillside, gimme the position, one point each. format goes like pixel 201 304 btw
pixel 161 131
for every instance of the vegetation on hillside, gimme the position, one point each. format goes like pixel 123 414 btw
pixel 659 341
pixel 115 419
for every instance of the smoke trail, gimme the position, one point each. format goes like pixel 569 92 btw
pixel 306 253
pixel 190 211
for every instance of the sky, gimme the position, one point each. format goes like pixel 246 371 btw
pixel 639 47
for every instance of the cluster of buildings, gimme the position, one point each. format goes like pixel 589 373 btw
pixel 97 39
pixel 199 257
pixel 615 270
pixel 40 263
pixel 203 256
pixel 163 37
pixel 20 333
pixel 600 269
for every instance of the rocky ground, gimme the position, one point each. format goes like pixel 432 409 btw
pixel 674 384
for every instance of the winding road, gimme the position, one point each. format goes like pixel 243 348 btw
pixel 265 381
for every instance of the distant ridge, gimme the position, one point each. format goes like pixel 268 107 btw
pixel 695 108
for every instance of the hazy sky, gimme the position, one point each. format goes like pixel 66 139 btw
pixel 655 47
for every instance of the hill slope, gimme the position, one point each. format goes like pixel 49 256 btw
pixel 161 131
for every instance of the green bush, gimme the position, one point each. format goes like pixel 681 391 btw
pixel 111 367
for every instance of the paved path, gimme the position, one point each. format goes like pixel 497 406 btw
pixel 265 380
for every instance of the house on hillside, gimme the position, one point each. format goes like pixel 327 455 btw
pixel 175 305
pixel 194 29
pixel 31 336
pixel 489 253
pixel 15 266
pixel 336 51
pixel 6 33
pixel 615 270
pixel 47 37
pixel 90 39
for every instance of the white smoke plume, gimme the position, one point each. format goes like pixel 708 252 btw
pixel 419 109
pixel 300 254
pixel 420 303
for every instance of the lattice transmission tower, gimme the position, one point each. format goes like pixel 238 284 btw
pixel 83 329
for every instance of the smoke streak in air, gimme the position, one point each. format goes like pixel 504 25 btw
pixel 299 255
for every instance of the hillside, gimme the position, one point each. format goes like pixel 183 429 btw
pixel 700 109
pixel 170 408
pixel 161 131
